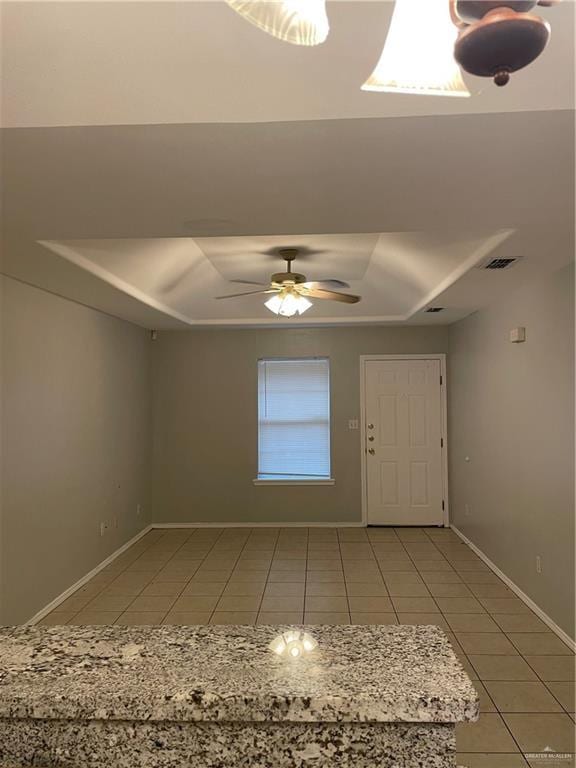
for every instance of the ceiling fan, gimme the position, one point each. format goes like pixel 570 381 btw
pixel 291 290
pixel 428 43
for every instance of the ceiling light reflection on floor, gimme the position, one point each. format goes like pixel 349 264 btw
pixel 293 644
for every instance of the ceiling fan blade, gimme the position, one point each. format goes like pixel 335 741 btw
pixel 246 293
pixel 325 284
pixel 247 282
pixel 317 293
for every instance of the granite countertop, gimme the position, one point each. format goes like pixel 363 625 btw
pixel 227 673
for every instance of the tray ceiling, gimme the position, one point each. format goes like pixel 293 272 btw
pixel 397 274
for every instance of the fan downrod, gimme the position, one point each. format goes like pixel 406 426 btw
pixel 288 254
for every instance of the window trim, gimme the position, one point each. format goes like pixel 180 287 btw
pixel 295 481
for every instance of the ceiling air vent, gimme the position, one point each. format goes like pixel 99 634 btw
pixel 435 309
pixel 498 263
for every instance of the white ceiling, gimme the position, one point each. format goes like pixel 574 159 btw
pixel 134 63
pixel 142 184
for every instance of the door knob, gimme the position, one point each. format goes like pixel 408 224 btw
pixel 370 426
pixel 371 438
pixel 371 451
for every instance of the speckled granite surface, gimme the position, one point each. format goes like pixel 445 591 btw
pixel 180 674
pixel 216 697
pixel 100 744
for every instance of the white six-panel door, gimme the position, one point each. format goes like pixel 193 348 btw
pixel 403 431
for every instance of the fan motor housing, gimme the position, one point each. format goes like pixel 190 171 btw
pixel 503 41
pixel 288 277
pixel 470 11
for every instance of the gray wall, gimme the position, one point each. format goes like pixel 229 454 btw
pixel 76 402
pixel 511 411
pixel 205 420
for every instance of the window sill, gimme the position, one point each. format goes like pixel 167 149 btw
pixel 295 481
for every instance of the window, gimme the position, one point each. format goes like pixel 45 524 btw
pixel 294 420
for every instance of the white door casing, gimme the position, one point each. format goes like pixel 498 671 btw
pixel 404 442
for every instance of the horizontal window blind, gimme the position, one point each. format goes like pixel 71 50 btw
pixel 293 419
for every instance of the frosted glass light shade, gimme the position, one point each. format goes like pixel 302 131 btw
pixel 288 304
pixel 418 55
pixel 301 22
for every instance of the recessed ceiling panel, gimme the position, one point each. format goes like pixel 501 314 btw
pixel 345 257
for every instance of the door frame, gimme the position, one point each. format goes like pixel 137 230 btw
pixel 443 427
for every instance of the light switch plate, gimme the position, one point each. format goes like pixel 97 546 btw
pixel 352 423
pixel 517 335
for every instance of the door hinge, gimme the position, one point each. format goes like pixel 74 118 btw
pixel 442 505
pixel 441 380
pixel 441 442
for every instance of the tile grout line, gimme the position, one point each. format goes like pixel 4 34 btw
pixel 306 577
pixel 385 582
pixel 151 582
pixel 258 611
pixel 202 560
pixel 230 575
pixel 552 692
pixel 191 537
pixel 200 566
pixel 344 576
pixel 71 619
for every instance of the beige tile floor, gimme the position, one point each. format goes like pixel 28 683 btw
pixel 523 672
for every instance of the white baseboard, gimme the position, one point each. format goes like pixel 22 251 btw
pixel 80 583
pixel 358 524
pixel 516 589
